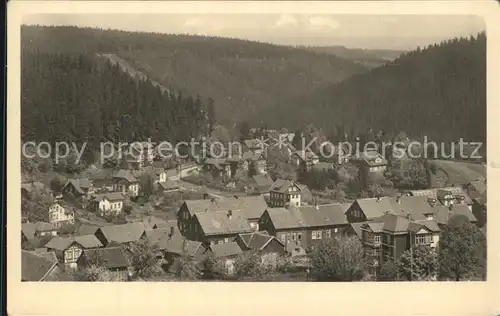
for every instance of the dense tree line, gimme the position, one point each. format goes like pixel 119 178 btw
pixel 438 91
pixel 77 98
pixel 244 78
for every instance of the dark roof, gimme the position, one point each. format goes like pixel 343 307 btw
pixel 35 266
pixel 226 249
pixel 443 214
pixel 308 216
pixel 282 186
pixel 63 243
pixel 126 175
pixel 84 229
pixel 81 185
pixel 356 227
pixel 433 193
pixel 220 223
pixel 29 229
pixel 114 257
pixel 479 188
pixel 123 233
pixel 252 206
pixel 111 196
pixel 257 240
pixel 400 224
pixel 101 174
pixel 169 185
pixel 161 239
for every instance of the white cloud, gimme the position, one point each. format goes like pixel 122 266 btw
pixel 318 23
pixel 286 20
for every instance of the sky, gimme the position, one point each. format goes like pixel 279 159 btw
pixel 353 31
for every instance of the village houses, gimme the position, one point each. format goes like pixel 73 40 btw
pixel 126 183
pixel 39 266
pixel 79 188
pixel 284 193
pixel 122 234
pixel 60 214
pixel 109 203
pixel 69 249
pixel 305 226
pixel 112 257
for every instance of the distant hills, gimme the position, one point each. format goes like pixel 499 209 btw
pixel 439 92
pixel 370 58
pixel 244 78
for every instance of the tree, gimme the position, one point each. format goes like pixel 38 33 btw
pixel 418 264
pixel 248 265
pixel 244 127
pixel 143 259
pixel 146 184
pixel 462 249
pixel 94 273
pixel 57 183
pixel 252 169
pixel 339 259
pixel 388 272
pixel 211 115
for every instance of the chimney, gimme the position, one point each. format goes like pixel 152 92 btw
pixel 230 214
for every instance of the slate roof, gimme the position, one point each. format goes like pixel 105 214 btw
pixel 113 257
pixel 35 266
pixel 433 193
pixel 252 206
pixel 125 175
pixel 308 216
pixel 281 185
pixel 219 223
pixel 169 185
pixel 401 224
pixel 226 249
pixel 111 196
pixel 161 239
pixel 29 229
pixel 417 206
pixel 84 229
pixel 123 233
pixel 63 243
pixel 375 207
pixel 257 240
pixel 80 184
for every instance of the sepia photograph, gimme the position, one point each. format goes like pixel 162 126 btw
pixel 253 147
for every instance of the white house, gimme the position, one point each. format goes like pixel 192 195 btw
pixel 109 203
pixel 284 192
pixel 59 214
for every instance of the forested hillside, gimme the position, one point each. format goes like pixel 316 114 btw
pixel 78 98
pixel 439 91
pixel 370 58
pixel 244 78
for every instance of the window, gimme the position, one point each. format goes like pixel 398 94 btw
pixel 299 236
pixel 220 242
pixel 420 239
pixel 376 253
pixel 316 234
pixel 283 238
pixel 328 233
pixel 335 230
pixel 294 236
pixel 376 239
pixel 226 240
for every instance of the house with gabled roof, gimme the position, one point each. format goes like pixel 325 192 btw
pixel 387 237
pixel 252 207
pixel 112 257
pixel 122 234
pixel 30 231
pixel 69 249
pixel 217 167
pixel 102 179
pixel 219 227
pixel 79 187
pixel 306 225
pixel 445 196
pixel 372 166
pixel 41 267
pixel 125 182
pixel 304 158
pixel 227 253
pixel 284 193
pixel 269 247
pixel 443 214
pixel 260 184
pixel 60 213
pixel 369 208
pixel 109 203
